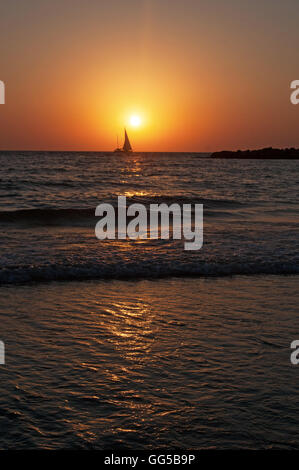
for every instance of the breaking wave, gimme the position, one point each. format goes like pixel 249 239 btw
pixel 135 271
pixel 61 215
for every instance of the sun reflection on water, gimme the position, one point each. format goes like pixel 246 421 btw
pixel 130 329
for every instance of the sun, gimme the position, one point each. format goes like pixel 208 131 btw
pixel 135 121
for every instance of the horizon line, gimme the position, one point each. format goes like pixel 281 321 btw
pixel 108 151
pixel 152 151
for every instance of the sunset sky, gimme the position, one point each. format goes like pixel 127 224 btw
pixel 202 75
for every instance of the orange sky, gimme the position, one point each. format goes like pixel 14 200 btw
pixel 202 75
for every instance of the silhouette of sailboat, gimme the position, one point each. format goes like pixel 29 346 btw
pixel 126 147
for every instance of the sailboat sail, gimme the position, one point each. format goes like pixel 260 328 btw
pixel 127 146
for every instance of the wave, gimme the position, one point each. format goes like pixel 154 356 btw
pixel 61 215
pixel 45 216
pixel 134 271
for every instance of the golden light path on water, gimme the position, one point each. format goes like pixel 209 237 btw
pixel 167 363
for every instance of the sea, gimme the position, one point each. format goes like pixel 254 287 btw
pixel 140 344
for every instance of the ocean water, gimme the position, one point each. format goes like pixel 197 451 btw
pixel 48 203
pixel 139 343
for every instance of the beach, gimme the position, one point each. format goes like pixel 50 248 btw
pixel 149 231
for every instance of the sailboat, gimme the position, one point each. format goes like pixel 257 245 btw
pixel 126 147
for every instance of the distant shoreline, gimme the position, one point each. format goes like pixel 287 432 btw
pixel 268 152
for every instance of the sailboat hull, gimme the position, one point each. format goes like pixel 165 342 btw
pixel 122 152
